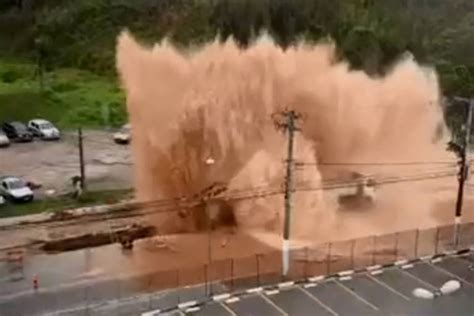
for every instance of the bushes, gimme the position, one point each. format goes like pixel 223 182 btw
pixel 10 75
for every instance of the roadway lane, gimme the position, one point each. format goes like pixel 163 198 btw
pixel 341 299
pixel 297 302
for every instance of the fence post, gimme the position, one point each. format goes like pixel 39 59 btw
pixel 177 284
pixel 353 243
pixel 374 250
pixel 306 262
pixel 232 274
pixel 206 280
pixel 150 294
pixel 436 240
pixel 417 237
pixel 257 257
pixel 395 251
pixel 328 259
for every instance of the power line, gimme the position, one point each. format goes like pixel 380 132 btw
pixel 387 163
pixel 175 204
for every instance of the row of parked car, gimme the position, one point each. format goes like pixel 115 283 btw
pixel 19 132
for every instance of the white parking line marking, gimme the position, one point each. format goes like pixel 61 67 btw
pixel 388 287
pixel 316 278
pixel 254 290
pixel 232 300
pixel 345 273
pixel 418 279
pixel 314 298
pixel 375 267
pixel 272 292
pixel 228 309
pixel 285 284
pixel 376 272
pixel 269 301
pixel 436 260
pixel 192 309
pixel 407 266
pixel 187 304
pixel 401 262
pixel 221 297
pixel 451 274
pixel 151 313
pixel 360 298
pixel 308 285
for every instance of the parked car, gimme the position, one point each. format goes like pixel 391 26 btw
pixel 17 131
pixel 15 189
pixel 2 200
pixel 44 129
pixel 123 136
pixel 4 141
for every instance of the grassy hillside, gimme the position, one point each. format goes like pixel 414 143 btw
pixel 69 97
pixel 67 35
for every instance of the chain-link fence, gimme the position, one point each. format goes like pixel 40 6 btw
pixel 166 289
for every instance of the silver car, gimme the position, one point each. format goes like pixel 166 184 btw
pixel 43 129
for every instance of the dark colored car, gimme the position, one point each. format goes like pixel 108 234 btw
pixel 17 131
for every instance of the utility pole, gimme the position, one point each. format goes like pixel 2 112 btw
pixel 464 166
pixel 81 160
pixel 289 127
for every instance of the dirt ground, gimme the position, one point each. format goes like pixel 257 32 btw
pixel 53 163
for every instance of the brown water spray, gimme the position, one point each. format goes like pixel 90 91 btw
pixel 217 102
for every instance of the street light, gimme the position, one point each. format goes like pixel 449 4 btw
pixel 209 162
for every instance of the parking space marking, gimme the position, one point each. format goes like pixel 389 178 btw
pixel 269 301
pixel 363 300
pixel 314 298
pixel 228 309
pixel 419 280
pixel 451 274
pixel 388 287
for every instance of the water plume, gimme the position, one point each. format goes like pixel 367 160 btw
pixel 217 102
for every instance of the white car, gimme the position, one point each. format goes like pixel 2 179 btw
pixel 15 189
pixel 123 136
pixel 4 140
pixel 44 129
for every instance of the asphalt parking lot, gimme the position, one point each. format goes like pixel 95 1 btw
pixel 375 291
pixel 53 163
pixel 378 292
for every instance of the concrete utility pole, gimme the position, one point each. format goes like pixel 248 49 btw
pixel 464 166
pixel 288 126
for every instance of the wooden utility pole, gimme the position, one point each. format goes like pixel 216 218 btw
pixel 81 160
pixel 289 126
pixel 464 167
